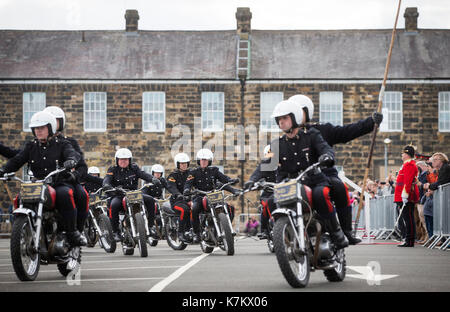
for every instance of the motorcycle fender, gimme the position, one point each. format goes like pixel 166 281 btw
pixel 282 211
pixel 25 211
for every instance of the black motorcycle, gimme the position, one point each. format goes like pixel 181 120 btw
pixel 301 241
pixel 215 223
pixel 36 237
pixel 98 226
pixel 133 225
pixel 171 223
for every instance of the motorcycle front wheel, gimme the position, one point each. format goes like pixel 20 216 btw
pixel 172 235
pixel 25 260
pixel 294 265
pixel 106 236
pixel 142 234
pixel 228 239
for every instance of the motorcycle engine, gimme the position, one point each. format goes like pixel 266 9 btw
pixel 325 247
pixel 58 245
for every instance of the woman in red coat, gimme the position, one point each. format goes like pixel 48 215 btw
pixel 407 195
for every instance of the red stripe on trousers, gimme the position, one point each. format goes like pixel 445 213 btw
pixel 326 195
pixel 87 201
pixel 181 210
pixel 71 198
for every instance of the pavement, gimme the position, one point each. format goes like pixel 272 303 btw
pixel 379 267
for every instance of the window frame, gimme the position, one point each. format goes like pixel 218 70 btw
pixel 203 103
pixel 322 110
pixel 262 127
pixel 387 113
pixel 149 112
pixel 441 111
pixel 105 112
pixel 27 110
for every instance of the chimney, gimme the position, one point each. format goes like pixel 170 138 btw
pixel 243 18
pixel 131 18
pixel 410 16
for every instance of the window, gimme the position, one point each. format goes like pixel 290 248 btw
pixel 392 112
pixel 212 111
pixel 331 108
pixel 33 102
pixel 268 102
pixel 154 111
pixel 95 111
pixel 444 111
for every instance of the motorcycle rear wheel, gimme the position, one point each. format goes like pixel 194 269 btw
pixel 26 262
pixel 294 266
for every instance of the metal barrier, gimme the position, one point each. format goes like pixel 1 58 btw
pixel 382 216
pixel 441 218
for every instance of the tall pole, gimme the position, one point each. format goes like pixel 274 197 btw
pixel 375 128
pixel 242 78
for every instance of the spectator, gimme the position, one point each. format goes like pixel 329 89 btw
pixel 422 232
pixel 251 228
pixel 440 163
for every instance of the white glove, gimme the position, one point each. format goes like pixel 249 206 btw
pixel 405 198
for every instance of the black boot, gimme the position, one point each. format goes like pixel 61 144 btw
pixel 345 219
pixel 75 238
pixel 337 236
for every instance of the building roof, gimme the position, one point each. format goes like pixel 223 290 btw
pixel 275 54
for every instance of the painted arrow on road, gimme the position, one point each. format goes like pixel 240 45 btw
pixel 370 273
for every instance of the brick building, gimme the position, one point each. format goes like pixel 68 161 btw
pixel 154 91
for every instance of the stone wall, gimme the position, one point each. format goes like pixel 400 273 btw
pixel 183 104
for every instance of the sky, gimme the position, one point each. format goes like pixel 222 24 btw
pixel 218 14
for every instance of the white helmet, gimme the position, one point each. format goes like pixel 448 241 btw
pixel 59 114
pixel 205 153
pixel 93 170
pixel 123 153
pixel 42 118
pixel 181 158
pixel 157 168
pixel 290 108
pixel 305 102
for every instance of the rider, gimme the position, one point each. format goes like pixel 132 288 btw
pixel 266 195
pixel 175 184
pixel 299 148
pixel 93 180
pixel 125 174
pixel 79 174
pixel 43 154
pixel 334 135
pixel 204 178
pixel 156 191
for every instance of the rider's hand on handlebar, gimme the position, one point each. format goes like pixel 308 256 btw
pixel 69 164
pixel 107 187
pixel 156 181
pixel 234 181
pixel 326 160
pixel 248 185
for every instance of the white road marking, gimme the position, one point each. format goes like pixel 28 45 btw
pixel 165 282
pixel 108 269
pixel 91 280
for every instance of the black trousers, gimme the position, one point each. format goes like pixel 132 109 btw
pixel 407 225
pixel 82 203
pixel 115 206
pixel 268 206
pixel 66 205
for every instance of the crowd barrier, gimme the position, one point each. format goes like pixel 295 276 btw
pixel 5 224
pixel 383 216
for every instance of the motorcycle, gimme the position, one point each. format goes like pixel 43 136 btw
pixel 36 237
pixel 98 226
pixel 215 223
pixel 133 221
pixel 301 241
